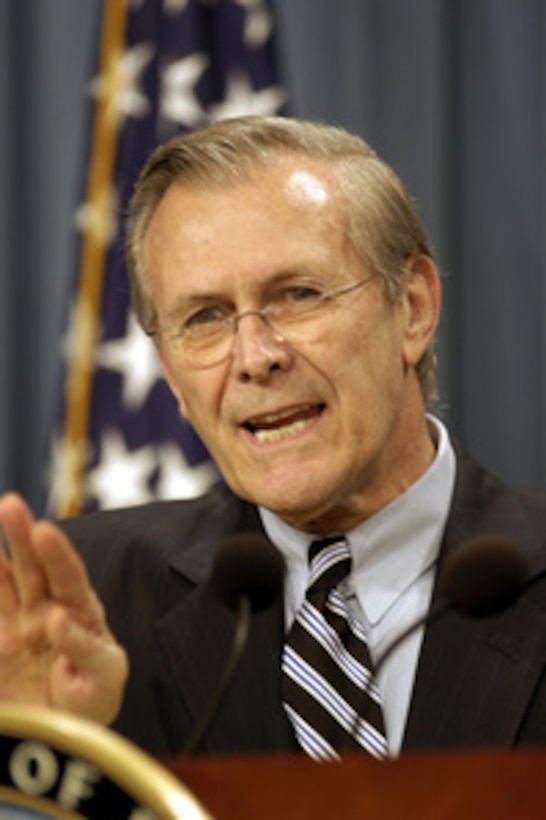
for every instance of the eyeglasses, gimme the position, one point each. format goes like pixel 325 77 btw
pixel 205 336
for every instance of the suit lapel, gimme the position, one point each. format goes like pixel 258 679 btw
pixel 476 677
pixel 195 638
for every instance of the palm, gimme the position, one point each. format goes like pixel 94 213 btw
pixel 55 647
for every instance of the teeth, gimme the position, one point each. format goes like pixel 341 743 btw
pixel 278 433
pixel 274 417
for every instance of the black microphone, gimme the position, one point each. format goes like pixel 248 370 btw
pixel 247 576
pixel 484 575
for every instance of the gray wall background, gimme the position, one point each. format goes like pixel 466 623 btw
pixel 451 92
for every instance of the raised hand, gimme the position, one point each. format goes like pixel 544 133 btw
pixel 55 646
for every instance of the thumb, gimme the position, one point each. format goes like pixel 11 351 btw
pixel 90 671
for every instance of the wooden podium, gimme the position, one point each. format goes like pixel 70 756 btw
pixel 489 785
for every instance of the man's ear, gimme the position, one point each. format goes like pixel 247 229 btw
pixel 171 381
pixel 422 303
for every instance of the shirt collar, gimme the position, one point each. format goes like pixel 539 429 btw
pixel 401 542
pixel 392 548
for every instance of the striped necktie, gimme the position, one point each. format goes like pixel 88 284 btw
pixel 328 689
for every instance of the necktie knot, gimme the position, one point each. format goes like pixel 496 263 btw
pixel 329 563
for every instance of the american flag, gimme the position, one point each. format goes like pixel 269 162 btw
pixel 166 67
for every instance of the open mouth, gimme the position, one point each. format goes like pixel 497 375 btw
pixel 277 426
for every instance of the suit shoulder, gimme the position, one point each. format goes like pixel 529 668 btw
pixel 534 504
pixel 152 534
pixel 534 501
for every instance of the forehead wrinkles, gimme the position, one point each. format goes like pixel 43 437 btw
pixel 310 189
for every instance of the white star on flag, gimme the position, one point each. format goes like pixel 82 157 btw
pixel 121 83
pixel 133 356
pixel 241 99
pixel 173 7
pixel 121 478
pixel 178 479
pixel 178 102
pixel 99 216
pixel 258 22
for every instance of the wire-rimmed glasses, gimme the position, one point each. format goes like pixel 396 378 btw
pixel 206 335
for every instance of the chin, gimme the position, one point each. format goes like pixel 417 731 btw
pixel 290 500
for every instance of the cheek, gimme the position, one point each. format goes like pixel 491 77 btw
pixel 200 402
pixel 188 389
pixel 194 406
pixel 375 351
pixel 373 373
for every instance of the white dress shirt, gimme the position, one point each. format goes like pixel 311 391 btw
pixel 394 557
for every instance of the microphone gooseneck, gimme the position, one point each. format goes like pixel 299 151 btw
pixel 484 575
pixel 247 576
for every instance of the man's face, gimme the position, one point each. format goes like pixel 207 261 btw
pixel 323 429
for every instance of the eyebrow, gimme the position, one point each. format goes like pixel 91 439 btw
pixel 185 302
pixel 182 304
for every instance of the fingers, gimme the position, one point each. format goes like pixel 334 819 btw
pixel 9 599
pixel 91 671
pixel 20 569
pixel 65 575
pixel 41 565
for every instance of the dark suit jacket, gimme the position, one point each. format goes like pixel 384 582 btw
pixel 479 682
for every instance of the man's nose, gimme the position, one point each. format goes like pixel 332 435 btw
pixel 258 348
